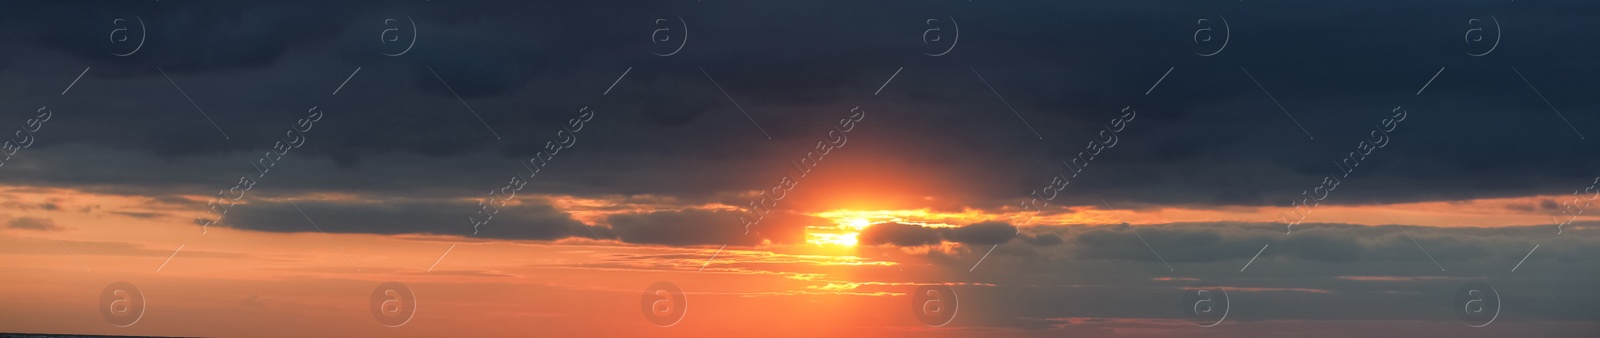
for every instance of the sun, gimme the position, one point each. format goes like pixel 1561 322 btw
pixel 829 236
pixel 840 233
pixel 844 225
pixel 859 223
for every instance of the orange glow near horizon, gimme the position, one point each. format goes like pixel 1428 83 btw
pixel 577 284
pixel 848 224
pixel 842 233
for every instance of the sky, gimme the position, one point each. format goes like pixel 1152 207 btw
pixel 896 168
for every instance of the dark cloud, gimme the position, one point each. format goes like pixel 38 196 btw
pixel 983 233
pixel 899 234
pixel 1321 272
pixel 30 223
pixel 704 227
pixel 529 221
pixel 1329 243
pixel 410 138
pixel 1042 239
pixel 139 214
pixel 1205 137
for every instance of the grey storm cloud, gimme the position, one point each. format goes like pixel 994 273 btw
pixel 899 234
pixel 1206 136
pixel 982 233
pixel 1322 242
pixel 1321 272
pixel 416 136
pixel 30 223
pixel 703 227
pixel 530 221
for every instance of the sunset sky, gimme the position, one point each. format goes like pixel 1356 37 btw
pixel 799 168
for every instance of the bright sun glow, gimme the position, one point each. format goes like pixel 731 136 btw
pixel 842 232
pixel 859 223
pixel 847 224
